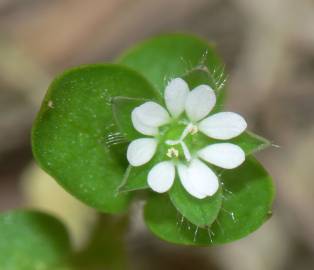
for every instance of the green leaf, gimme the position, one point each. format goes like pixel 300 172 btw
pixel 250 142
pixel 248 197
pixel 165 57
pixel 32 240
pixel 201 213
pixel 74 138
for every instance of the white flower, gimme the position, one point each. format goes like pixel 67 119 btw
pixel 196 177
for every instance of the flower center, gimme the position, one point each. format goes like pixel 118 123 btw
pixel 173 152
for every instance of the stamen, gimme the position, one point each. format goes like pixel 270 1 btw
pixel 186 131
pixel 186 151
pixel 190 129
pixel 193 130
pixel 172 142
pixel 172 152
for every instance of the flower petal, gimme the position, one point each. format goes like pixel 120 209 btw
pixel 200 102
pixel 188 183
pixel 161 176
pixel 142 128
pixel 152 114
pixel 140 151
pixel 175 96
pixel 224 155
pixel 203 177
pixel 198 179
pixel 223 125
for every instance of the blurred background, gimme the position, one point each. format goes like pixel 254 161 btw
pixel 268 48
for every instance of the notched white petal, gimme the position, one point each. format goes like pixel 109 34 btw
pixel 224 155
pixel 161 176
pixel 142 128
pixel 175 96
pixel 199 102
pixel 152 114
pixel 223 125
pixel 140 151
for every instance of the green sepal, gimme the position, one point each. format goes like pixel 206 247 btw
pixel 248 141
pixel 135 178
pixel 200 212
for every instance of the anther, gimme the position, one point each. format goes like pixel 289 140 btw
pixel 172 152
pixel 193 129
